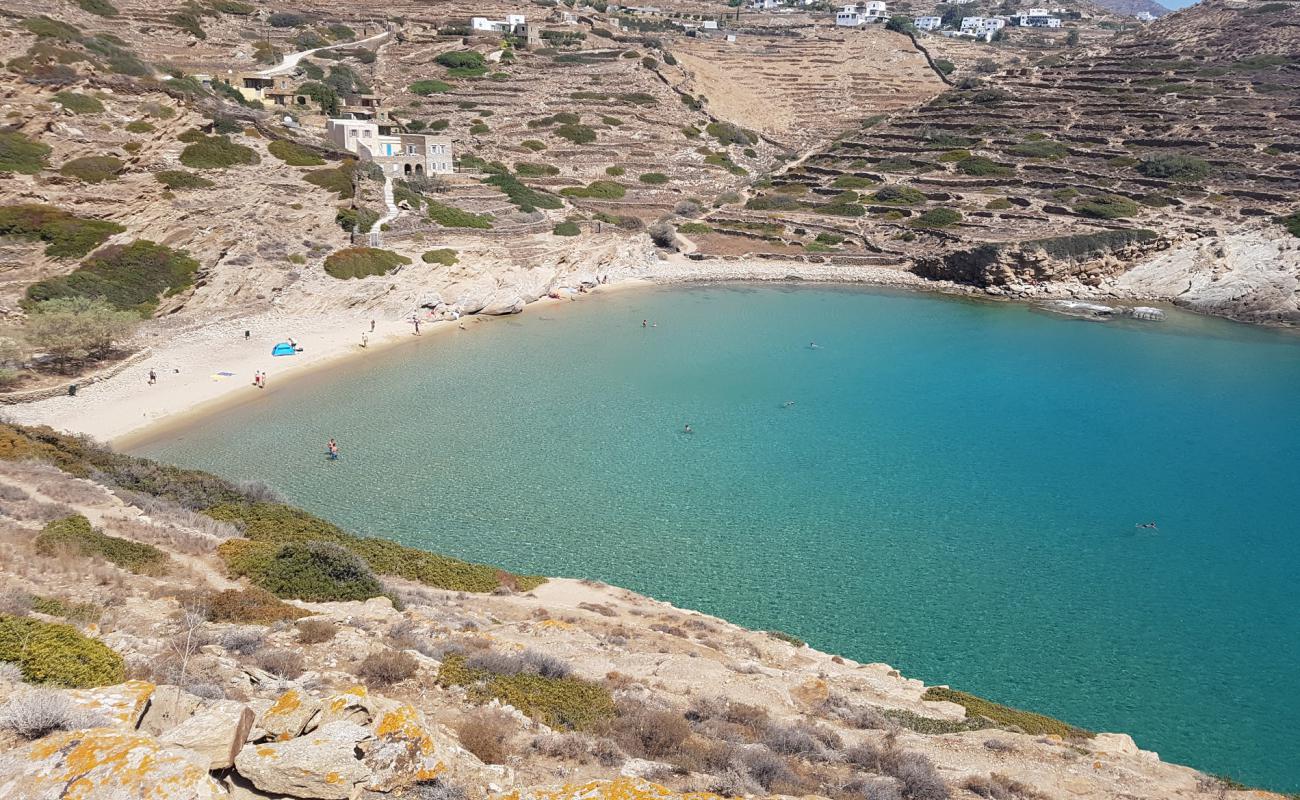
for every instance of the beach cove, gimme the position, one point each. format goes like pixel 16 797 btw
pixel 954 490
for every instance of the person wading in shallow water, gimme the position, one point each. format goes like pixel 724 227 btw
pixel 333 447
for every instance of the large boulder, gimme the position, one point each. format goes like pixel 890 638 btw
pixel 288 715
pixel 169 707
pixel 323 764
pixel 406 748
pixel 217 732
pixel 105 764
pixel 122 705
pixel 351 705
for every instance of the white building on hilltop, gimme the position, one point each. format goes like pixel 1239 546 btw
pixel 512 24
pixel 928 23
pixel 1145 16
pixel 861 14
pixel 1036 18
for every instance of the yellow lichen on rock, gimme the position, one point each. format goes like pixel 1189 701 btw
pixel 90 764
pixel 617 789
pixel 122 705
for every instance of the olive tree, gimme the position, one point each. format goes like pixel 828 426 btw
pixel 73 328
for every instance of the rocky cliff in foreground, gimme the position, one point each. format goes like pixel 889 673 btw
pixel 166 634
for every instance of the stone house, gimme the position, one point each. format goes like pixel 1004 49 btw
pixel 397 154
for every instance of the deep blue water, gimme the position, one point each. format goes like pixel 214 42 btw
pixel 954 491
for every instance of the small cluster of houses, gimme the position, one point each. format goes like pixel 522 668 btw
pixel 986 28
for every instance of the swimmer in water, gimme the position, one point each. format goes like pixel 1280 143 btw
pixel 813 346
pixel 688 429
pixel 787 404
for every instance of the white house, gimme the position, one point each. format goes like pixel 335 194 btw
pixel 928 23
pixel 1037 18
pixel 513 23
pixel 860 14
pixel 1145 16
pixel 710 24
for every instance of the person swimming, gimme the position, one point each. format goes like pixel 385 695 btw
pixel 813 346
pixel 688 429
pixel 787 404
pixel 1147 525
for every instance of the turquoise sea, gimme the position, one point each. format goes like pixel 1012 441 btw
pixel 954 490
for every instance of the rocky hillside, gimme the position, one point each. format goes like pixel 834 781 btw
pixel 166 634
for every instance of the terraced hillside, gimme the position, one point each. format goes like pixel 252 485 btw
pixel 1187 130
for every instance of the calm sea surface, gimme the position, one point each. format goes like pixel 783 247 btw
pixel 954 490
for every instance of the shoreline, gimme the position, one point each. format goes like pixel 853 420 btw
pixel 126 412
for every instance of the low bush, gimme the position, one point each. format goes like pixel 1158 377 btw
pixel 139 126
pixel 189 22
pixel 918 778
pixel 898 196
pixel 982 166
pixel 999 204
pixel 787 638
pixel 93 169
pixel 77 612
pixel 487 734
pixel 286 19
pixel 1291 222
pixel 36 714
pixel 461 59
pixel 526 170
pixel 75 535
pixel 243 641
pixel 78 103
pixel 694 227
pixel 101 8
pixel 45 28
pixel 216 152
pixel 653 178
pixel 282 663
pixel 452 217
pixel 18 153
pixel 270 524
pixel 598 190
pixel 294 155
pixel 1106 206
pixel 938 218
pixel 852 182
pixel 362 262
pixel 1174 167
pixel 1083 246
pixel 1000 787
pixel 525 198
pixel 387 667
pixel 315 631
pixel 337 180
pixel 65 235
pixel 444 256
pixel 615 171
pixel 565 703
pixel 729 134
pixel 313 571
pixel 57 654
pixel 179 179
pixel 1007 717
pixel 130 277
pixel 533 145
pixel 252 605
pixel 1042 148
pixel 649 732
pixel 566 228
pixel 578 134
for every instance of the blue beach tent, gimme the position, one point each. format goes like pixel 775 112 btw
pixel 283 349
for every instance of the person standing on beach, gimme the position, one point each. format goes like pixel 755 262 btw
pixel 257 377
pixel 372 326
pixel 365 340
pixel 416 320
pixel 153 377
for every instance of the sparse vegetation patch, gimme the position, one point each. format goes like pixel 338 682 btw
pixel 362 262
pixel 65 235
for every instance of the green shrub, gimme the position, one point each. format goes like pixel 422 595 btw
pixel 533 144
pixel 430 86
pixel 175 179
pixel 983 167
pixel 45 28
pixel 337 180
pixel 954 155
pixel 944 66
pixel 564 703
pixel 139 126
pixel 785 637
pixel 130 277
pixel 578 134
pixel 362 262
pixel 938 218
pixel 999 204
pixel 74 534
pixel 21 154
pixel 357 220
pixel 1041 148
pixel 216 152
pixel 312 571
pixel 615 171
pixel 1291 222
pixel 525 170
pixel 729 134
pixel 694 227
pixel 852 182
pixel 273 524
pixel 58 655
pixel 232 7
pixel 444 256
pixel 1107 206
pixel 898 196
pixel 479 128
pixel 452 217
pixel 599 190
pixel 341 33
pixel 1174 167
pixel 566 228
pixel 1006 717
pixel 93 169
pixel 653 178
pixel 79 103
pixel 189 22
pixel 101 8
pixel 65 235
pixel 286 19
pixel 79 612
pixel 294 155
pixel 461 59
pixel 525 198
pixel 829 238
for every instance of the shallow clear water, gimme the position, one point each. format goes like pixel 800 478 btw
pixel 953 492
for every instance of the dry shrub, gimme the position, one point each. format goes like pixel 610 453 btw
pixel 244 641
pixel 671 630
pixel 387 667
pixel 73 492
pixel 739 720
pixel 252 605
pixel 315 631
pixel 34 714
pixel 529 662
pixel 999 746
pixel 487 733
pixel 875 787
pixel 280 662
pixel 12 493
pixel 436 789
pixel 801 739
pixel 648 732
pixel 16 603
pixel 599 608
pixel 919 779
pixel 579 747
pixel 1000 787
